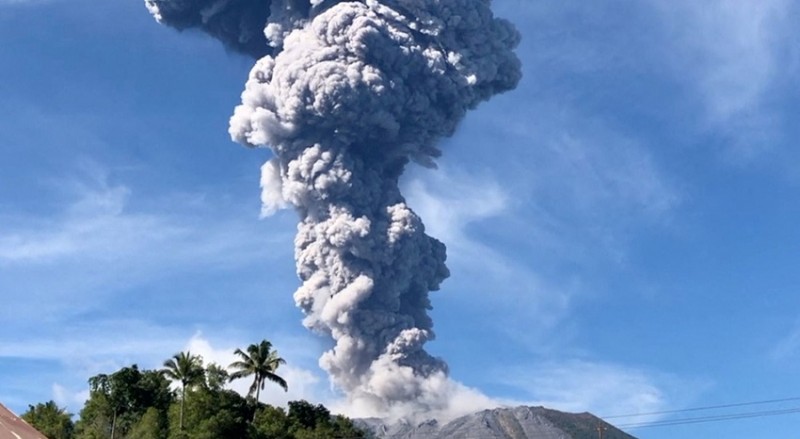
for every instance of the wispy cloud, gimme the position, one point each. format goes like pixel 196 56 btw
pixel 451 200
pixel 787 347
pixel 576 186
pixel 86 277
pixel 731 48
pixel 452 204
pixel 717 73
pixel 90 346
pixel 99 223
pixel 56 362
pixel 103 241
pixel 65 397
pixel 22 2
pixel 735 54
pixel 455 206
pixel 567 192
pixel 605 389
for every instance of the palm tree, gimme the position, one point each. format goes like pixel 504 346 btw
pixel 261 362
pixel 186 368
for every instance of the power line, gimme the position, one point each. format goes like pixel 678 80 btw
pixel 710 407
pixel 665 423
pixel 714 418
pixel 672 422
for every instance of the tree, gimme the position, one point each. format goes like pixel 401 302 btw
pixel 118 390
pixel 118 401
pixel 53 421
pixel 271 423
pixel 188 370
pixel 213 414
pixel 216 376
pixel 305 416
pixel 150 426
pixel 95 418
pixel 308 421
pixel 261 362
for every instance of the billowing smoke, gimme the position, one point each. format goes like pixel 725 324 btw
pixel 346 94
pixel 239 24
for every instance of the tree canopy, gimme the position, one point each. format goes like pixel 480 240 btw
pixel 51 420
pixel 133 403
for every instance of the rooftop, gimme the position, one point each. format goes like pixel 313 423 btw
pixel 13 427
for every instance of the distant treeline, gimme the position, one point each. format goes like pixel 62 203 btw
pixel 132 403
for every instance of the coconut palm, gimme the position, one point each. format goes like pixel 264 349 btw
pixel 261 362
pixel 188 370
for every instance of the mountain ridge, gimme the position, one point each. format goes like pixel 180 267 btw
pixel 522 422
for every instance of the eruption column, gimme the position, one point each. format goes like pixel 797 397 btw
pixel 346 96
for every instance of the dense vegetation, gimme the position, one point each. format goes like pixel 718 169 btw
pixel 140 404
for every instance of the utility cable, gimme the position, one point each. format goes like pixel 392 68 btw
pixel 714 418
pixel 694 409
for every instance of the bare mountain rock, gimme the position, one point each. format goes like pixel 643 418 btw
pixel 503 423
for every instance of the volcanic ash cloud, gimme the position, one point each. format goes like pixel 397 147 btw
pixel 346 94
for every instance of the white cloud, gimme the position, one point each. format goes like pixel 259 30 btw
pixel 99 224
pixel 568 190
pixel 734 54
pixel 574 187
pixel 103 242
pixel 71 353
pixel 302 383
pixel 455 206
pixel 22 2
pixel 64 397
pixel 569 194
pixel 603 389
pixel 576 163
pixel 788 346
pixel 734 47
pixel 450 201
pixel 96 346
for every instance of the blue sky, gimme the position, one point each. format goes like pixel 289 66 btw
pixel 621 229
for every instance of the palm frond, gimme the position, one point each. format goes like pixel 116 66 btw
pixel 260 361
pixel 277 380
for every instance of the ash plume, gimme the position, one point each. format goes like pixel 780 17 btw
pixel 346 94
pixel 239 24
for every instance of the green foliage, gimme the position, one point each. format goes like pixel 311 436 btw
pixel 345 428
pixel 153 391
pixel 139 404
pixel 211 414
pixel 152 425
pixel 271 423
pixel 304 415
pixel 216 376
pixel 303 421
pixel 186 369
pixel 94 423
pixel 118 401
pixel 50 420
